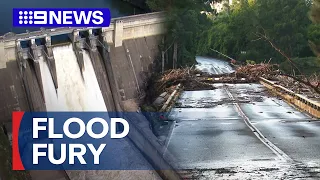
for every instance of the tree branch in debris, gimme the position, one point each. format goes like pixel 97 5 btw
pixel 307 80
pixel 308 83
pixel 265 37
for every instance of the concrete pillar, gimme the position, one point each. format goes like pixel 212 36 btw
pixel 10 50
pixel 74 36
pixel 3 59
pixel 22 57
pixel 90 31
pixel 36 56
pixel 50 60
pixel 78 45
pixel 107 35
pixel 118 33
pixel 48 45
pixel 92 41
pixel 110 72
pixel 34 49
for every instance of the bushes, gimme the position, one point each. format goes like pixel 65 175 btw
pixel 285 23
pixel 186 25
pixel 308 65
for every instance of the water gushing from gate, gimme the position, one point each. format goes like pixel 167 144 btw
pixel 76 91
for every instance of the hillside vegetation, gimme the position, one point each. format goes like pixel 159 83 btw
pixel 276 31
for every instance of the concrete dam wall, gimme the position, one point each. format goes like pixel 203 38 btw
pixel 86 69
pixel 115 60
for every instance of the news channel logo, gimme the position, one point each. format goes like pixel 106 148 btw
pixel 61 17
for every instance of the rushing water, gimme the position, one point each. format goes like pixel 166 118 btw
pixel 118 8
pixel 75 92
pixel 213 66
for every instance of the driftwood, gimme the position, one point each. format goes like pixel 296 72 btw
pixel 316 87
pixel 254 71
pixel 304 80
pixel 186 76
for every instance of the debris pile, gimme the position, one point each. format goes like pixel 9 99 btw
pixel 178 75
pixel 186 76
pixel 194 80
pixel 298 84
pixel 230 78
pixel 299 87
pixel 195 85
pixel 254 71
pixel 174 76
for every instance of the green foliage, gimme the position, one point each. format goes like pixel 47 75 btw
pixel 170 5
pixel 314 33
pixel 308 65
pixel 285 23
pixel 186 25
pixel 250 62
pixel 314 29
pixel 315 11
pixel 246 26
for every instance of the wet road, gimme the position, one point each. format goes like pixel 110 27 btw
pixel 213 66
pixel 239 131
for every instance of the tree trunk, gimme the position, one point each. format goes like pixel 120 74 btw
pixel 167 57
pixel 162 63
pixel 175 54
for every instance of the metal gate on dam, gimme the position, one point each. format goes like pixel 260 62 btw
pixel 62 69
pixel 79 69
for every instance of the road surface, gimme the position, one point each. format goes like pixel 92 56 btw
pixel 239 131
pixel 213 66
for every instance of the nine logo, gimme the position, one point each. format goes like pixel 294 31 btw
pixel 61 17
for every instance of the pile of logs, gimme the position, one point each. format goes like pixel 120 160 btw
pixel 196 85
pixel 178 74
pixel 309 87
pixel 188 77
pixel 185 76
pixel 174 75
pixel 254 71
pixel 270 71
pixel 193 79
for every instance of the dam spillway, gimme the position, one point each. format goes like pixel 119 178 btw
pixel 98 69
pixel 77 91
pixel 121 55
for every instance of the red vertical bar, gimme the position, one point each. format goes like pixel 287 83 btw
pixel 16 159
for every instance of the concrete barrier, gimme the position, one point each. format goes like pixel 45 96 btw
pixel 305 104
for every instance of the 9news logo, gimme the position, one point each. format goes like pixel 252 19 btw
pixel 61 17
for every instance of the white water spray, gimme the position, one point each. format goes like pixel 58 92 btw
pixel 74 93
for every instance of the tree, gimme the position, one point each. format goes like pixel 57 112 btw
pixel 185 25
pixel 284 22
pixel 314 30
pixel 315 11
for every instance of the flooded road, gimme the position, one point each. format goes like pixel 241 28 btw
pixel 239 131
pixel 213 66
